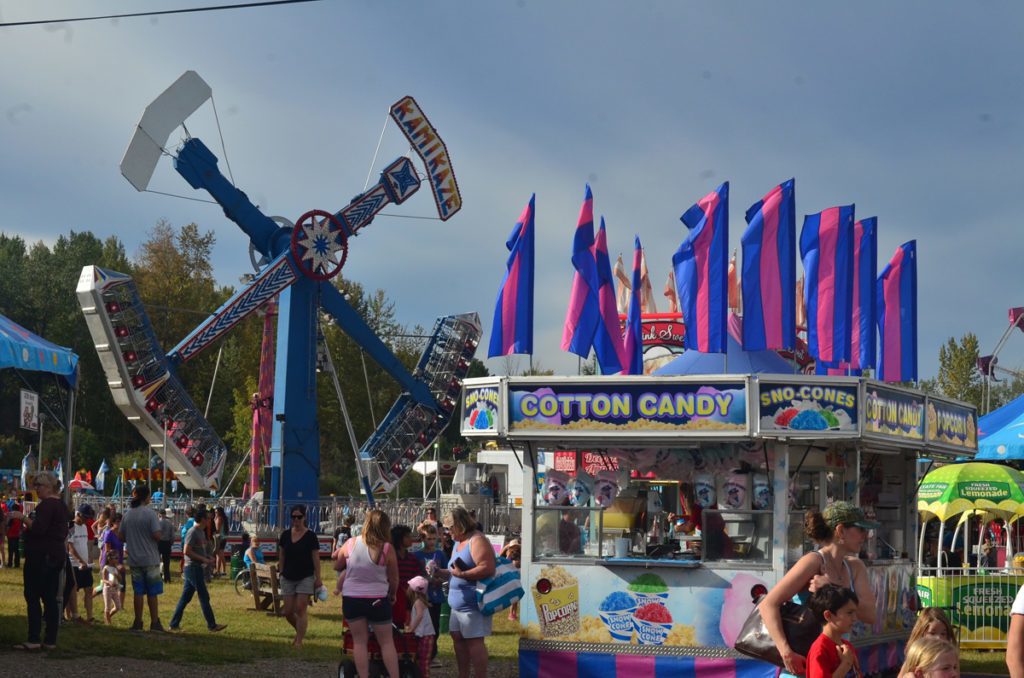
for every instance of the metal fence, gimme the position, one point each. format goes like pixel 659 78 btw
pixel 322 516
pixel 977 601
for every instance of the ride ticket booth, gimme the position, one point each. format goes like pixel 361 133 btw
pixel 668 504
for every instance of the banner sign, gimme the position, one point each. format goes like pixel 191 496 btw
pixel 592 462
pixel 810 407
pixel 627 409
pixel 952 425
pixel 424 138
pixel 29 410
pixel 480 410
pixel 893 413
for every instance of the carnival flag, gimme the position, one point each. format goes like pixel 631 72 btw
pixel 865 271
pixel 734 285
pixel 701 268
pixel 512 330
pixel 769 271
pixel 622 286
pixel 583 315
pixel 670 293
pixel 896 299
pixel 608 337
pixel 647 301
pixel 826 248
pixel 101 475
pixel 634 343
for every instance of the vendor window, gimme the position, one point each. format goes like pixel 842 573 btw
pixel 736 535
pixel 567 531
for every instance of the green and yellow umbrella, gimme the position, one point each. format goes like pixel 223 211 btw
pixel 974 486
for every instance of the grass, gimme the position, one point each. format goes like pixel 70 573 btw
pixel 250 635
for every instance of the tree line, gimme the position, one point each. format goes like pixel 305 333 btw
pixel 176 283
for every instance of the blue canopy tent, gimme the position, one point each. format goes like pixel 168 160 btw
pixel 23 350
pixel 736 361
pixel 998 419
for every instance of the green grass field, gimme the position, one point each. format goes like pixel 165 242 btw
pixel 250 635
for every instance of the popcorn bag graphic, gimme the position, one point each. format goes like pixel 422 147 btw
pixel 557 599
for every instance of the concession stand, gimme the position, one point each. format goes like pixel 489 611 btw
pixel 669 503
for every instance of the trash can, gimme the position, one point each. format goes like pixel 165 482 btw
pixel 446 613
pixel 237 564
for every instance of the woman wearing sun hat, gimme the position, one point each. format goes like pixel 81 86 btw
pixel 839 531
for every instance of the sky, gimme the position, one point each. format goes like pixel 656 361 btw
pixel 909 110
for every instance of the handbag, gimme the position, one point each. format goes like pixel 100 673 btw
pixel 501 589
pixel 798 623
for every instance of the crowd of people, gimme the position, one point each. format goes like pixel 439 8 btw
pixel 389 577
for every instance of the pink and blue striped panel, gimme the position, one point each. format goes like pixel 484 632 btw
pixel 538 664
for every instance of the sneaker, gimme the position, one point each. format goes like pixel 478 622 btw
pixel 157 628
pixel 436 664
pixel 137 626
pixel 175 629
pixel 218 628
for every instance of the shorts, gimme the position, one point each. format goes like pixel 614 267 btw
pixel 147 580
pixel 374 610
pixel 83 577
pixel 469 623
pixel 293 588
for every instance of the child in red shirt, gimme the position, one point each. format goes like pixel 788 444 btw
pixel 832 656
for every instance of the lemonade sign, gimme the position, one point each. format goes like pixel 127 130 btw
pixel 980 605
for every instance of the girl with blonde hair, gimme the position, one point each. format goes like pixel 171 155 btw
pixel 931 657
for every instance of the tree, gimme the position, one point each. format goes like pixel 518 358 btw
pixel 959 377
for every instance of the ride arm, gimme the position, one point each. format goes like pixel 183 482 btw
pixel 354 326
pixel 198 165
pixel 270 282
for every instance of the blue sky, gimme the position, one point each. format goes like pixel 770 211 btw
pixel 910 110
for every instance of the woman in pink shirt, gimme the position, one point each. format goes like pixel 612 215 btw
pixel 368 592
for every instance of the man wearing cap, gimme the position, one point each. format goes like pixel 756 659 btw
pixel 166 537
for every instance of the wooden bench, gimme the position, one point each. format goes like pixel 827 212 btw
pixel 265 592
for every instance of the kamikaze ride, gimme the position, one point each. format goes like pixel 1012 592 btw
pixel 296 263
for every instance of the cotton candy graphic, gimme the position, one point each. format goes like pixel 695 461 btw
pixel 581 488
pixel 606 488
pixel 517 410
pixel 556 488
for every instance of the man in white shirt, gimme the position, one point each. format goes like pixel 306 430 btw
pixel 1015 637
pixel 78 549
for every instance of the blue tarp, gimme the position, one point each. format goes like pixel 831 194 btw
pixel 997 419
pixel 23 350
pixel 740 361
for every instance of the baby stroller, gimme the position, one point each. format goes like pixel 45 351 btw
pixel 405 645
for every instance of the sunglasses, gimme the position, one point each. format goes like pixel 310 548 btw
pixel 297 516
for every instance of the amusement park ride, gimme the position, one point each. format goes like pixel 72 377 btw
pixel 295 265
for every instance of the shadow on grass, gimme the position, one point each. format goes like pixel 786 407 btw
pixel 196 646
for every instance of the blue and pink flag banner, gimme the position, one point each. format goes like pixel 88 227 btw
pixel 583 315
pixel 634 341
pixel 897 316
pixel 608 345
pixel 512 330
pixel 865 271
pixel 769 272
pixel 826 248
pixel 701 266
